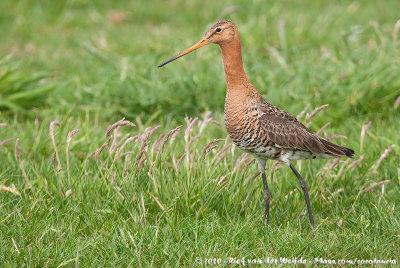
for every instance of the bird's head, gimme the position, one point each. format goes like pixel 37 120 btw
pixel 221 32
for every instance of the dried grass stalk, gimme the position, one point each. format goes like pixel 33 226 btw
pixel 145 142
pixel 110 130
pixel 207 119
pixel 369 189
pixel 129 140
pixel 114 183
pixel 99 150
pixel 335 163
pixel 395 33
pixel 180 160
pixel 248 164
pixel 195 138
pixel 209 150
pixel 126 153
pixel 9 189
pixel 157 201
pixel 336 136
pixel 18 210
pixel 5 141
pixel 172 133
pixel 148 133
pixel 51 130
pixel 156 145
pixel 275 54
pixel 252 177
pixel 114 143
pixel 168 164
pixel 383 156
pixel 244 203
pixel 396 103
pixel 221 182
pixel 69 138
pixel 3 124
pixel 15 245
pixel 219 155
pixel 127 164
pixel 68 192
pixel 122 140
pixel 281 33
pixel 17 156
pixel 141 162
pixel 120 123
pixel 70 135
pixel 313 113
pixel 205 149
pixel 364 130
pixel 300 115
pixel 342 167
pixel 321 130
pixel 326 166
pixel 240 161
pixel 355 163
pixel 151 168
pixel 54 161
pixel 190 124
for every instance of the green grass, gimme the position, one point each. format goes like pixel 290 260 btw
pixel 67 61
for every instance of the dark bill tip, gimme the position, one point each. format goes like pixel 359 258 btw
pixel 168 61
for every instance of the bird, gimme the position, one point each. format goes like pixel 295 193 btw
pixel 254 125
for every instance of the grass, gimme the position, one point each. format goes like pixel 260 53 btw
pixel 159 202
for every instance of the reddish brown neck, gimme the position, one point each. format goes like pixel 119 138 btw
pixel 236 78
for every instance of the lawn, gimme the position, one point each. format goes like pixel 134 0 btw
pixel 81 186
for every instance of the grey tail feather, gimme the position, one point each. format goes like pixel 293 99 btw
pixel 336 150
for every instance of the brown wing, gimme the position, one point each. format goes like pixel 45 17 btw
pixel 287 132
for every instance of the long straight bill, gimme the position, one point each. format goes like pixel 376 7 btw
pixel 199 44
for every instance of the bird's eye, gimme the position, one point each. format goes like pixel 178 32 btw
pixel 218 30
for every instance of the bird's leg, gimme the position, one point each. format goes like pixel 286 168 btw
pixel 267 196
pixel 303 185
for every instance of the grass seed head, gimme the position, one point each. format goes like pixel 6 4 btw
pixel 205 149
pixel 70 134
pixel 16 151
pixel 364 130
pixel 356 162
pixel 190 124
pixel 313 113
pixel 127 141
pixel 336 136
pixel 174 132
pixel 396 103
pixel 120 123
pixel 395 33
pixel 51 128
pixel 383 156
pixel 9 189
pixel 321 130
pixel 373 186
pixel 5 141
pixel 300 115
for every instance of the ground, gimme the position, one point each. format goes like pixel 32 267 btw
pixel 151 198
